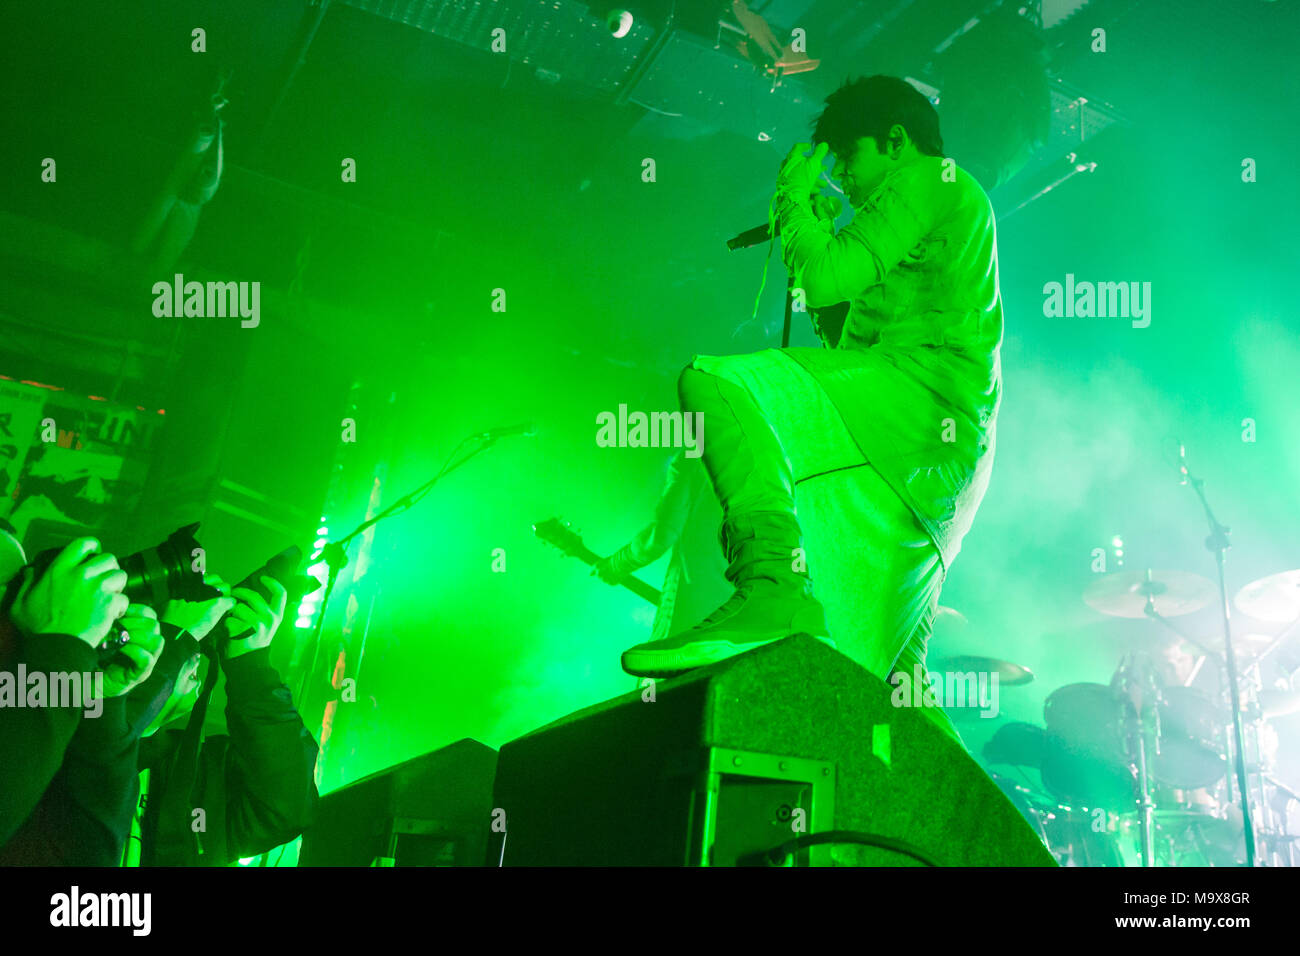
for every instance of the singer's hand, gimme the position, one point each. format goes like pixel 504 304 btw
pixel 826 208
pixel 800 173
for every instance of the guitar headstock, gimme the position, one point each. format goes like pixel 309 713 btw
pixel 560 534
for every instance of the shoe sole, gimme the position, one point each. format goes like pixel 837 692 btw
pixel 670 663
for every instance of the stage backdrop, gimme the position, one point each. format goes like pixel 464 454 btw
pixel 69 464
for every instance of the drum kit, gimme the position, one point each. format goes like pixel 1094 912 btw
pixel 1145 770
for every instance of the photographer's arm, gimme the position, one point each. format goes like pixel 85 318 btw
pixel 270 792
pixel 145 702
pixel 183 624
pixel 61 611
pixel 94 796
pixel 271 759
pixel 84 815
pixel 33 740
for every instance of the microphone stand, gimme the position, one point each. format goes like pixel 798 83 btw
pixel 335 555
pixel 789 311
pixel 1217 542
pixel 752 237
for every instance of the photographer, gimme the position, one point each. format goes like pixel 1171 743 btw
pixel 66 761
pixel 254 785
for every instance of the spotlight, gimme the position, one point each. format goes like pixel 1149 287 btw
pixel 619 22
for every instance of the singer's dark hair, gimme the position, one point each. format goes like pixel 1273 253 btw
pixel 870 106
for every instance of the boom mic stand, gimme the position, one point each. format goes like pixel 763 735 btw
pixel 335 555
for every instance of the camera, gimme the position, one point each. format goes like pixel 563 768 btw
pixel 284 568
pixel 166 572
pixel 154 576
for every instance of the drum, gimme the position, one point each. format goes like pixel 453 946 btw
pixel 1086 759
pixel 1194 838
pixel 1083 755
pixel 1084 837
pixel 1190 830
pixel 1189 751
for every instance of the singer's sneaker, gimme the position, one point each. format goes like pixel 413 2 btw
pixel 772 602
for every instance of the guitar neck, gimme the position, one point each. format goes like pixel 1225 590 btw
pixel 631 582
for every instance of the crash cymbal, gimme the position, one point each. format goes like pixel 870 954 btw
pixel 1274 598
pixel 1009 674
pixel 1124 593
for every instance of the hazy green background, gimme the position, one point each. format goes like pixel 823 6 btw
pixel 613 283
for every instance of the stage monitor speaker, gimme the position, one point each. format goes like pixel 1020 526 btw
pixel 724 765
pixel 432 810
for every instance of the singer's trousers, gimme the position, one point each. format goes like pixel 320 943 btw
pixel 874 569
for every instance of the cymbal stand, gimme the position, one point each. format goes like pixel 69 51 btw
pixel 1136 686
pixel 1286 846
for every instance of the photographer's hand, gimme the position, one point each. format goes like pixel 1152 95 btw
pixel 254 613
pixel 80 593
pixel 198 618
pixel 135 660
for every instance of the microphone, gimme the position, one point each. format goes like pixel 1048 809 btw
pixel 753 237
pixel 526 429
pixel 824 207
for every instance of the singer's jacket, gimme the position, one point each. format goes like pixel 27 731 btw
pixel 916 374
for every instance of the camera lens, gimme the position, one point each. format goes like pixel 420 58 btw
pixel 166 572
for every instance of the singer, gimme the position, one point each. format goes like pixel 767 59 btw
pixel 885 438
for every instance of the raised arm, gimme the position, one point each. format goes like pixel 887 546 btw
pixel 839 267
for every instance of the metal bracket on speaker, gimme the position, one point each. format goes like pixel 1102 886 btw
pixel 765 800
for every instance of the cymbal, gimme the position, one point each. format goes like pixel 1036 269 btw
pixel 951 615
pixel 1274 598
pixel 1009 674
pixel 1124 593
pixel 949 623
pixel 1278 703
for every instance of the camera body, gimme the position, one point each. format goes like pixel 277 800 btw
pixel 154 576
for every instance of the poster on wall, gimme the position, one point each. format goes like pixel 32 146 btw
pixel 69 463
